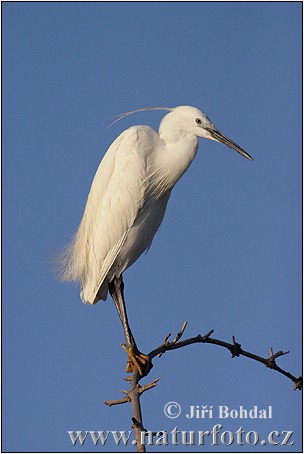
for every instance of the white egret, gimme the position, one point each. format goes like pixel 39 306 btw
pixel 127 203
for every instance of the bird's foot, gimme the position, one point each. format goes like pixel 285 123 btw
pixel 137 360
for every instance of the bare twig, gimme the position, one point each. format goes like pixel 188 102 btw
pixel 235 349
pixel 118 401
pixel 175 340
pixel 142 389
pixel 133 395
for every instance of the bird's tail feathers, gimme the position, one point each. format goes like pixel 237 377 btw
pixel 66 267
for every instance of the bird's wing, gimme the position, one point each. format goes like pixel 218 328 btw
pixel 116 196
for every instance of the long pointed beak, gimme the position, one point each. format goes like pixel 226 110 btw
pixel 219 137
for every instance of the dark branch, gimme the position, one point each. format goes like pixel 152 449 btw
pixel 133 395
pixel 234 348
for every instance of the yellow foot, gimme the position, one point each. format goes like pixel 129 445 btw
pixel 138 360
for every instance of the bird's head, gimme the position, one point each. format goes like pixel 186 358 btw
pixel 187 120
pixel 190 120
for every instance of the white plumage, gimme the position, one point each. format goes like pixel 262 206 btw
pixel 129 195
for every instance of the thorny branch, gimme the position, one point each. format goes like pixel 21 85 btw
pixel 133 395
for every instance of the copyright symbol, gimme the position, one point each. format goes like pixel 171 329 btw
pixel 172 410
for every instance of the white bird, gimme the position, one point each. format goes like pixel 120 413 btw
pixel 127 203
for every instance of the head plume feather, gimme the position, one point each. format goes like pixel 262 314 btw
pixel 121 116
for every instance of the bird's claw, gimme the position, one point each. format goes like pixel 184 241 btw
pixel 139 361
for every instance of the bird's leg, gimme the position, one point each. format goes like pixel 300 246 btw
pixel 136 359
pixel 116 288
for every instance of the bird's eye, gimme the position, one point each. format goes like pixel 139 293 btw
pixel 198 121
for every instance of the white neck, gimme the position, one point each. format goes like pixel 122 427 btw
pixel 179 150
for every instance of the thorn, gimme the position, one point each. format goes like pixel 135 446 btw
pixel 142 389
pixel 298 384
pixel 205 336
pixel 280 353
pixel 136 424
pixel 177 337
pixel 124 347
pixel 236 348
pixel 179 334
pixel 166 339
pixel 273 356
pixel 124 391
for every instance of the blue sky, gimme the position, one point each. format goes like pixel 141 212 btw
pixel 228 254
